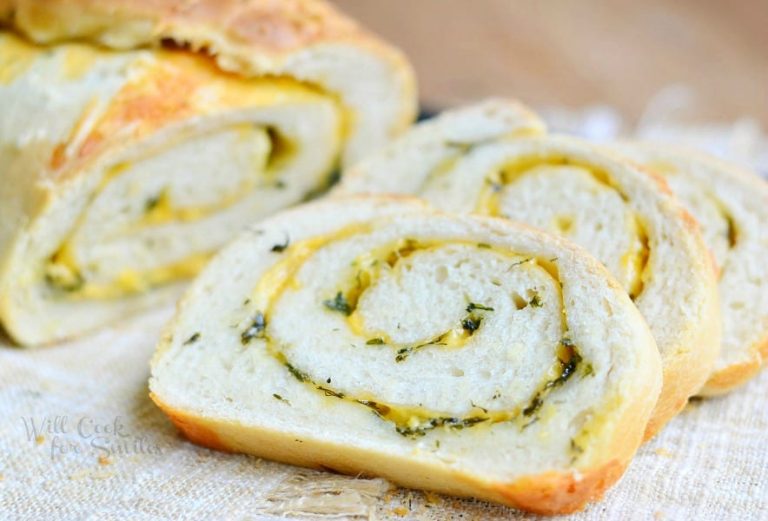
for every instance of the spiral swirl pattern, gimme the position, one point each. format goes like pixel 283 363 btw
pixel 375 321
pixel 625 217
pixel 125 171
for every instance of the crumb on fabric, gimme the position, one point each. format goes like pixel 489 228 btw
pixel 661 451
pixel 104 460
pixel 400 511
pixel 39 439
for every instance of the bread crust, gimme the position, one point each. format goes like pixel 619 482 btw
pixel 699 168
pixel 733 376
pixel 546 493
pixel 292 45
pixel 550 493
pixel 305 39
pixel 268 26
pixel 726 380
pixel 563 494
pixel 689 354
pixel 684 373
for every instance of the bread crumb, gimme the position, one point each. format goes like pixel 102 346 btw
pixel 400 511
pixel 104 460
pixel 661 451
pixel 431 498
pixel 693 404
pixel 658 515
pixel 40 439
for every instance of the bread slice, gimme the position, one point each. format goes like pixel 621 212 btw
pixel 731 204
pixel 460 354
pixel 625 217
pixel 124 170
pixel 433 146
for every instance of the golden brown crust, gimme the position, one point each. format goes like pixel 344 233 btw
pixel 684 373
pixel 752 191
pixel 677 388
pixel 304 39
pixel 194 431
pixel 661 182
pixel 731 377
pixel 157 101
pixel 688 373
pixel 549 493
pixel 250 38
pixel 736 375
pixel 762 348
pixel 266 25
pixel 613 440
pixel 681 374
pixel 561 494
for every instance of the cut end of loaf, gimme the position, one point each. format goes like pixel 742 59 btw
pixel 191 427
pixel 562 494
pixel 548 494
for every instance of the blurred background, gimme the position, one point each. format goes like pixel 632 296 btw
pixel 707 58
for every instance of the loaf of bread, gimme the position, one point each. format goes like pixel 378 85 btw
pixel 461 354
pixel 137 137
pixel 732 206
pixel 625 217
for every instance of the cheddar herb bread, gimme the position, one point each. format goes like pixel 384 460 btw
pixel 461 354
pixel 137 137
pixel 732 206
pixel 625 217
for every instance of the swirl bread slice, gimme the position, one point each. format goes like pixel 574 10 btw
pixel 124 168
pixel 626 218
pixel 461 354
pixel 731 204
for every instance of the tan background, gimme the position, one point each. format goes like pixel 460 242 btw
pixel 575 53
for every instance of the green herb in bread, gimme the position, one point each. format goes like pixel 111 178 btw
pixel 624 216
pixel 438 373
